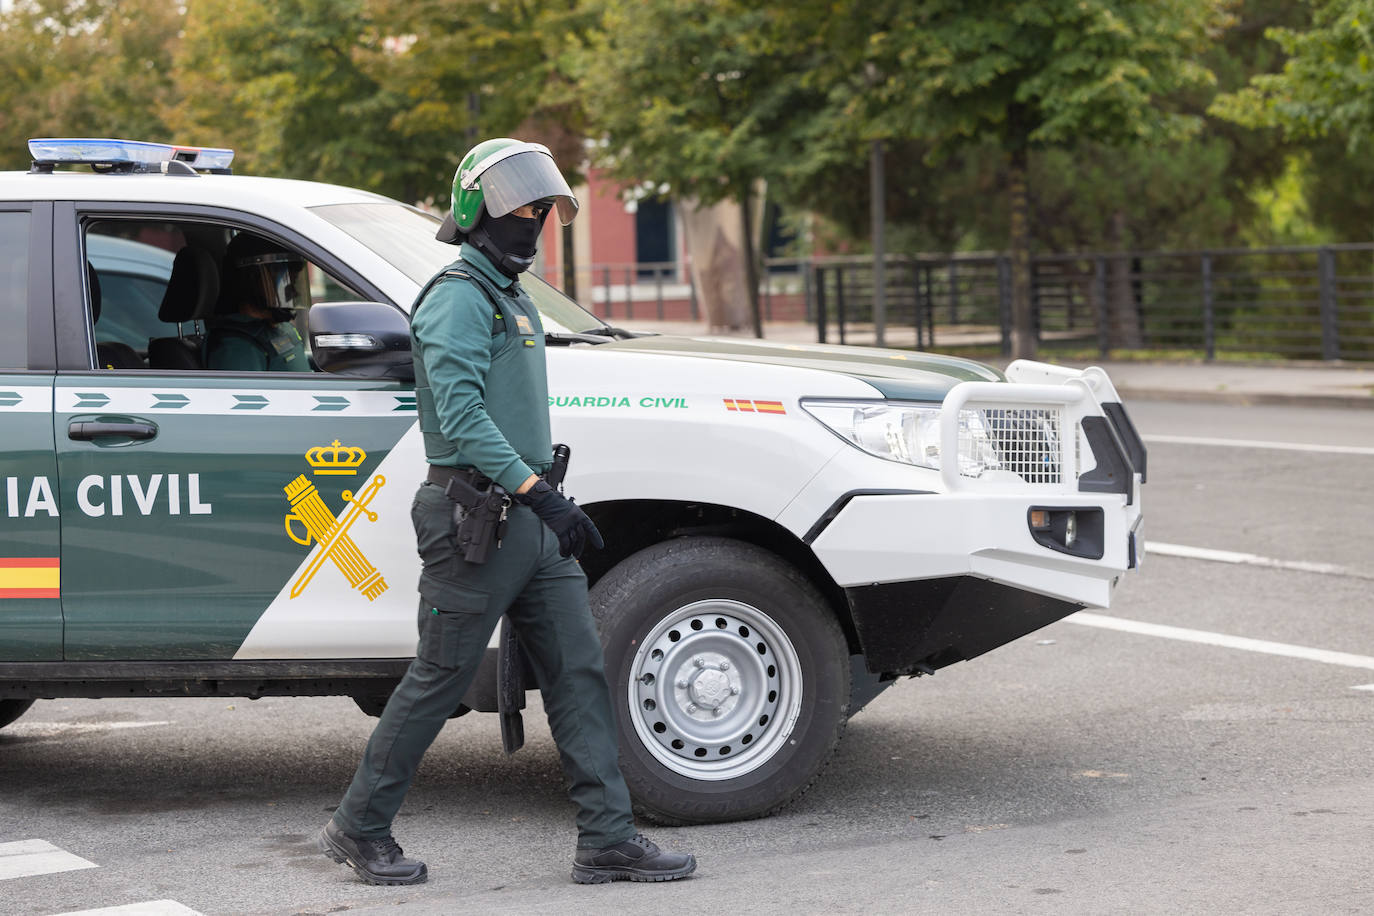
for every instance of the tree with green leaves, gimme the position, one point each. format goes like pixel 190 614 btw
pixel 1026 76
pixel 1323 99
pixel 294 87
pixel 93 68
pixel 713 94
pixel 706 96
pixel 1326 86
pixel 385 95
pixel 1211 188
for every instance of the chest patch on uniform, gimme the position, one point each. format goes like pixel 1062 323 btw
pixel 522 324
pixel 283 341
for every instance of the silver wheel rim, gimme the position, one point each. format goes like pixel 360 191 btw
pixel 715 689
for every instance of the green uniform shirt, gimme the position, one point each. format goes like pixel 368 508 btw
pixel 241 343
pixel 480 385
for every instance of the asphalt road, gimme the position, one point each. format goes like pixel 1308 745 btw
pixel 1082 769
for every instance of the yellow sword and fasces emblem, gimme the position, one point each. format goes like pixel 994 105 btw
pixel 329 531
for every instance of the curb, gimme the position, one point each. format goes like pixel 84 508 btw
pixel 1247 399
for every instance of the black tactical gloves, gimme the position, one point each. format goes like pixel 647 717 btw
pixel 564 518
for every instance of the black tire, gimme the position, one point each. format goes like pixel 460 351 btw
pixel 742 706
pixel 12 709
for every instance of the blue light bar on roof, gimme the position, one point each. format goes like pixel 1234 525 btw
pixel 61 150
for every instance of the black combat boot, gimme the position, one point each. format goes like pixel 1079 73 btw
pixel 375 861
pixel 636 859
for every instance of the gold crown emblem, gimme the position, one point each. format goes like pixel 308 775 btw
pixel 335 458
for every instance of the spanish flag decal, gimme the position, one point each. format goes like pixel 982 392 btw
pixel 743 406
pixel 30 577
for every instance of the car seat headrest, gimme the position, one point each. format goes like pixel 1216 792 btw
pixel 193 287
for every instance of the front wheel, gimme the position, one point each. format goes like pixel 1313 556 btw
pixel 12 709
pixel 729 676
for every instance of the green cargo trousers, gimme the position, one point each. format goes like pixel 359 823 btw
pixel 545 596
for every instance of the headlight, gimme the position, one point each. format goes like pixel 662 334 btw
pixel 909 433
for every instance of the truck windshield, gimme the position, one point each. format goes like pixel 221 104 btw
pixel 404 236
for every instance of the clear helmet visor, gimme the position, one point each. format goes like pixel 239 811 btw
pixel 275 281
pixel 514 177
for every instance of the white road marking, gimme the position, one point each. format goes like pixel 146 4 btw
pixel 1363 687
pixel 1251 559
pixel 148 908
pixel 1261 443
pixel 24 858
pixel 52 729
pixel 1347 659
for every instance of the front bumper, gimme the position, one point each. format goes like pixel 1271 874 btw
pixel 933 579
pixel 941 574
pixel 885 538
pixel 910 627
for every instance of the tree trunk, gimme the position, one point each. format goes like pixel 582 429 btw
pixel 1123 320
pixel 751 267
pixel 717 263
pixel 569 264
pixel 1023 337
pixel 878 218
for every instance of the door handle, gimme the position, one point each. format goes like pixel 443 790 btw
pixel 96 429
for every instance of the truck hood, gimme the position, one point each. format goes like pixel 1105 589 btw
pixel 897 374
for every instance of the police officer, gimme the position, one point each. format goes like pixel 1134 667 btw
pixel 482 397
pixel 263 285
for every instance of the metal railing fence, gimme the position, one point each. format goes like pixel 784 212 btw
pixel 666 290
pixel 1290 303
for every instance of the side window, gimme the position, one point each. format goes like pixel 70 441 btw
pixel 197 296
pixel 14 289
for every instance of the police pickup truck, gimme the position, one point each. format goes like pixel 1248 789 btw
pixel 788 529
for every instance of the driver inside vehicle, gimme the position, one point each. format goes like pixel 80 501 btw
pixel 264 287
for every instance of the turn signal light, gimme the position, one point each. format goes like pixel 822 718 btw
pixel 1076 531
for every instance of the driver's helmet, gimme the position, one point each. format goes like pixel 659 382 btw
pixel 262 272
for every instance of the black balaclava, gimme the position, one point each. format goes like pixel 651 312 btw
pixel 510 241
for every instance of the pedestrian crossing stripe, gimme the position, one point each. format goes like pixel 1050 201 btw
pixel 32 858
pixel 146 908
pixel 25 858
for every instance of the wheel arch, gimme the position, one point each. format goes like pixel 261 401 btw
pixel 629 526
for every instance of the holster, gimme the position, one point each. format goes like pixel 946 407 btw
pixel 479 516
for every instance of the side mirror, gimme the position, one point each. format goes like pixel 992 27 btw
pixel 361 339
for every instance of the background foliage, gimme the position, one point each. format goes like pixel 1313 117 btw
pixel 1129 123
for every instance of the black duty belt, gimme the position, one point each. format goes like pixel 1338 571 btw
pixel 441 475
